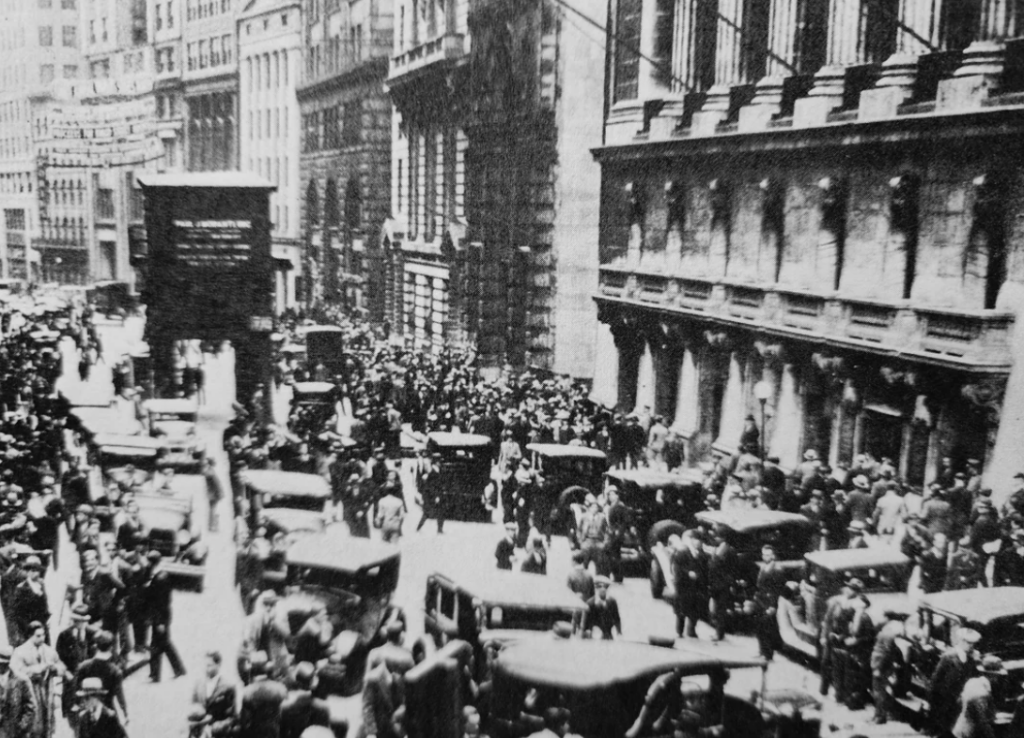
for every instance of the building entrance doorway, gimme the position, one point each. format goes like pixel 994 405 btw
pixel 882 432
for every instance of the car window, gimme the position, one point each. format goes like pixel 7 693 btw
pixel 447 604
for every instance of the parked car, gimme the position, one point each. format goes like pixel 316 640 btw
pixel 566 475
pixel 884 571
pixel 288 500
pixel 168 512
pixel 996 613
pixel 481 606
pixel 465 473
pixel 747 531
pixel 660 504
pixel 173 422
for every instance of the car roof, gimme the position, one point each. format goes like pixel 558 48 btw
pixel 653 477
pixel 304 329
pixel 748 521
pixel 514 589
pixel 565 450
pixel 458 440
pixel 294 484
pixel 588 664
pixel 312 388
pixel 171 406
pixel 335 550
pixel 118 443
pixel 841 559
pixel 979 606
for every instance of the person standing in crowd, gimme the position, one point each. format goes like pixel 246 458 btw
pixel 97 720
pixel 29 603
pixel 505 551
pixel 216 696
pixel 214 493
pixel 390 514
pixel 101 666
pixel 260 714
pixel 580 580
pixel 74 647
pixel 690 566
pixel 37 662
pixel 883 665
pixel 602 611
pixel 159 592
pixel 381 697
pixel 977 718
pixel 952 672
pixel 17 703
pixel 860 641
pixel 300 708
pixel 593 534
pixel 722 568
pixel 771 581
pixel 430 495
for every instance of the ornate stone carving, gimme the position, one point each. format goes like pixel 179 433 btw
pixel 721 200
pixel 717 339
pixel 833 203
pixel 827 363
pixel 771 352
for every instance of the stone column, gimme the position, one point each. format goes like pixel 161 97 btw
pixel 983 61
pixel 786 424
pixel 652 81
pixel 687 419
pixel 728 67
pixel 730 426
pixel 844 48
pixel 782 30
pixel 606 370
pixel 899 71
pixel 645 381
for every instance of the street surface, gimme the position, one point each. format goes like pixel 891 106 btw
pixel 212 619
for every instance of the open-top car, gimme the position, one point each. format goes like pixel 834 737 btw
pixel 494 605
pixel 128 461
pixel 95 421
pixel 292 501
pixel 884 572
pixel 173 422
pixel 997 613
pixel 167 509
pixel 659 504
pixel 747 531
pixel 465 473
pixel 567 474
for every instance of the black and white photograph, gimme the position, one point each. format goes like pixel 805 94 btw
pixel 511 369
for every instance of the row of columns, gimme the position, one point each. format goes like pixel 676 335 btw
pixel 850 41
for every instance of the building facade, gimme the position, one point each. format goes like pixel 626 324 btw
pixel 818 208
pixel 495 196
pixel 210 84
pixel 346 150
pixel 269 64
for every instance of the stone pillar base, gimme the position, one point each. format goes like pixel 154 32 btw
pixel 824 97
pixel 714 111
pixel 765 106
pixel 976 79
pixel 894 87
pixel 665 123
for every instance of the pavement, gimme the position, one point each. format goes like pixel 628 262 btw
pixel 212 619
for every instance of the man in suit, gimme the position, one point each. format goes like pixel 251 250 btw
pixel 262 631
pixel 17 706
pixel 159 592
pixel 216 695
pixel 859 643
pixel 722 572
pixel 96 720
pixel 261 702
pixel 102 667
pixel 833 625
pixel 883 665
pixel 977 709
pixel 300 708
pixel 954 669
pixel 74 647
pixel 771 580
pixel 398 657
pixel 690 567
pixel 603 611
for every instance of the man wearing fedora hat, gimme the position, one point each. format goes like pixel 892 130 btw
pixel 29 602
pixel 96 720
pixel 17 706
pixel 977 710
pixel 74 646
pixel 952 672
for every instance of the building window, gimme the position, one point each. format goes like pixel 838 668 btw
pixel 92 31
pixel 45 36
pixel 169 59
pixel 46 73
pixel 203 58
pixel 103 29
pixel 226 48
pixel 70 71
pixel 214 52
pixel 627 49
pixel 170 13
pixel 70 36
pixel 284 19
pixel 159 17
pixel 14 220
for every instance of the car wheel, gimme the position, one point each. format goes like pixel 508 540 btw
pixel 661 531
pixel 657 580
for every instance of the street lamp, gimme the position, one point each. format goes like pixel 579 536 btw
pixel 762 391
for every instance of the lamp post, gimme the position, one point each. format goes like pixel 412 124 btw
pixel 762 391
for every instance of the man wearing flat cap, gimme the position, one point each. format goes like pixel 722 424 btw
pixel 954 669
pixel 17 706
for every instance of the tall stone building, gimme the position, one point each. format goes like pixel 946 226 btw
pixel 346 150
pixel 494 196
pixel 818 206
pixel 269 64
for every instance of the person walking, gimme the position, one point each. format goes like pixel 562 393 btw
pixel 214 492
pixel 429 494
pixel 17 705
pixel 216 696
pixel 593 534
pixel 722 567
pixel 97 720
pixel 690 568
pixel 390 515
pixel 952 672
pixel 159 593
pixel 37 662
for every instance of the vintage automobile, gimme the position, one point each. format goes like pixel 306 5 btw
pixel 168 512
pixel 885 572
pixel 289 500
pixel 129 461
pixel 997 613
pixel 659 503
pixel 93 421
pixel 747 531
pixel 174 423
pixel 355 579
pixel 496 605
pixel 465 473
pixel 567 475
pixel 605 685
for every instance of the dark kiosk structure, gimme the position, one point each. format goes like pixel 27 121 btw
pixel 210 273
